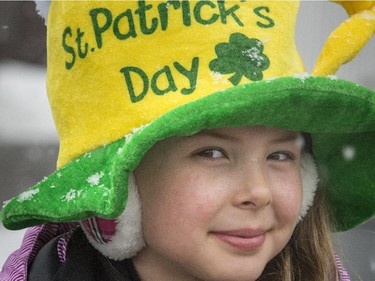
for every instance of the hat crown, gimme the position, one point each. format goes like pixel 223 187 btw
pixel 118 65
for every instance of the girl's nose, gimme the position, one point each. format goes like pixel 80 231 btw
pixel 253 190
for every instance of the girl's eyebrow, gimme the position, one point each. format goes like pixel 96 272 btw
pixel 288 138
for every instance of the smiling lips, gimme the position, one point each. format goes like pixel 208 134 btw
pixel 243 239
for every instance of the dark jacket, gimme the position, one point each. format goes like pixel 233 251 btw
pixel 83 263
pixel 61 252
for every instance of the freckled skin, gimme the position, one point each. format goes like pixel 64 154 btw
pixel 218 180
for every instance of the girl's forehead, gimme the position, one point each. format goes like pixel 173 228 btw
pixel 248 133
pixel 257 135
pixel 238 135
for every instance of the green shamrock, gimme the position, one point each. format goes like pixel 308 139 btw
pixel 242 56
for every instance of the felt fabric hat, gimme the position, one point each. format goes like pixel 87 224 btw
pixel 123 75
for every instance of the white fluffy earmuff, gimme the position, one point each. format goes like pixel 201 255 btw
pixel 128 236
pixel 310 180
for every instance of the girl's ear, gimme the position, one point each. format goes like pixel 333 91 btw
pixel 42 7
pixel 310 179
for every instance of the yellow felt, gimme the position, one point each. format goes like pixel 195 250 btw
pixel 90 101
pixel 345 42
pixel 353 7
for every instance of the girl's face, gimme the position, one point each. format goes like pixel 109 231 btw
pixel 218 205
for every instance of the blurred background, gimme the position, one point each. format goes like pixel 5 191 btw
pixel 29 144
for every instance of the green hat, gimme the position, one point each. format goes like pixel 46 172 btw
pixel 123 75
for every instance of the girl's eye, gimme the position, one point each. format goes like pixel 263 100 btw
pixel 281 156
pixel 211 153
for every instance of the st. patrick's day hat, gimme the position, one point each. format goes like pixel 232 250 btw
pixel 123 75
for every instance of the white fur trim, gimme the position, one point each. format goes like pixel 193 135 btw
pixel 128 239
pixel 42 7
pixel 310 179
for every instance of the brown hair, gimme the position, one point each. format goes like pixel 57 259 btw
pixel 309 255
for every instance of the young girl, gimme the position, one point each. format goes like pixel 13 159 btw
pixel 191 159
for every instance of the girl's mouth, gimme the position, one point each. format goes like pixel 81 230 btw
pixel 243 239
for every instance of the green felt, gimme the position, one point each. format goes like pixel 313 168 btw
pixel 337 113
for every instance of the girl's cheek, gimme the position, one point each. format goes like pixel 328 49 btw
pixel 287 196
pixel 199 203
pixel 200 199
